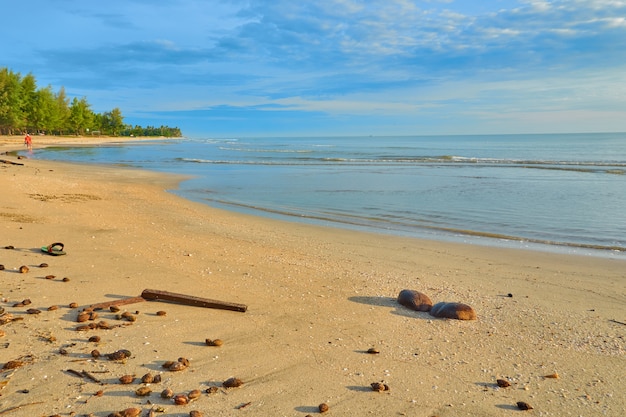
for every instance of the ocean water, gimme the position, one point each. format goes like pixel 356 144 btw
pixel 564 192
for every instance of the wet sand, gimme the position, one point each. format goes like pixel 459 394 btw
pixel 317 299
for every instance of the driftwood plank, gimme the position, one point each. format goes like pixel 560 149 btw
pixel 191 300
pixel 6 161
pixel 120 302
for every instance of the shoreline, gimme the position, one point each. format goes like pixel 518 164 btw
pixel 318 298
pixel 462 236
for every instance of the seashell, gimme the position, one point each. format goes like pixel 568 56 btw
pixel 503 383
pixel 130 412
pixel 553 376
pixel 114 309
pixel 195 413
pixel 52 308
pixel 323 407
pixel 147 378
pixel 212 390
pixel 50 277
pixel 415 300
pixel 457 311
pixel 373 351
pixel 33 311
pixel 43 265
pixel 215 342
pixel 524 406
pixel 177 366
pixel 127 379
pixel 73 305
pixel 161 313
pixel 232 383
pixel 167 393
pixel 94 339
pixel 143 392
pixel 24 269
pixel 181 399
pixel 193 394
pixel 95 353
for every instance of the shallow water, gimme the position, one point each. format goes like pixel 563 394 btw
pixel 566 192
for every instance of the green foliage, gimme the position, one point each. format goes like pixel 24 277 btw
pixel 25 108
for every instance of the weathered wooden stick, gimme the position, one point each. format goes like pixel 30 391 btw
pixel 191 300
pixel 5 161
pixel 120 302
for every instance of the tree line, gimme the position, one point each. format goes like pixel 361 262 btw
pixel 26 108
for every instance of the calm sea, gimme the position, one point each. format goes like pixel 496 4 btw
pixel 564 192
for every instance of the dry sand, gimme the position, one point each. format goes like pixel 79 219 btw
pixel 318 298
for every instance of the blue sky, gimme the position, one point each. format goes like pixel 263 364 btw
pixel 331 67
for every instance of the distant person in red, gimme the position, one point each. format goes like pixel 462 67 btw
pixel 28 141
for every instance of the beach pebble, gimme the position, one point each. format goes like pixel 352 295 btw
pixel 232 383
pixel 503 383
pixel 415 300
pixel 127 379
pixel 457 311
pixel 323 407
pixel 1 267
pixel 214 342
pixel 43 265
pixel 24 269
pixel 167 393
pixel 524 406
pixel 181 399
pixel 195 413
pixel 143 392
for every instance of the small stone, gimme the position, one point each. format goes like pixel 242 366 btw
pixel 127 379
pixel 503 383
pixel 73 305
pixel 161 313
pixel 43 265
pixel 193 394
pixel 143 392
pixel 524 405
pixel 33 311
pixel 167 393
pixel 147 378
pixel 181 399
pixel 66 279
pixel 232 383
pixel 195 413
pixel 24 269
pixel 415 300
pixel 553 376
pixel 50 276
pixel 214 342
pixel 94 339
pixel 456 311
pixel 323 407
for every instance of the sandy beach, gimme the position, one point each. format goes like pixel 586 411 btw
pixel 552 325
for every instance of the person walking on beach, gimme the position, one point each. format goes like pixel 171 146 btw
pixel 28 141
